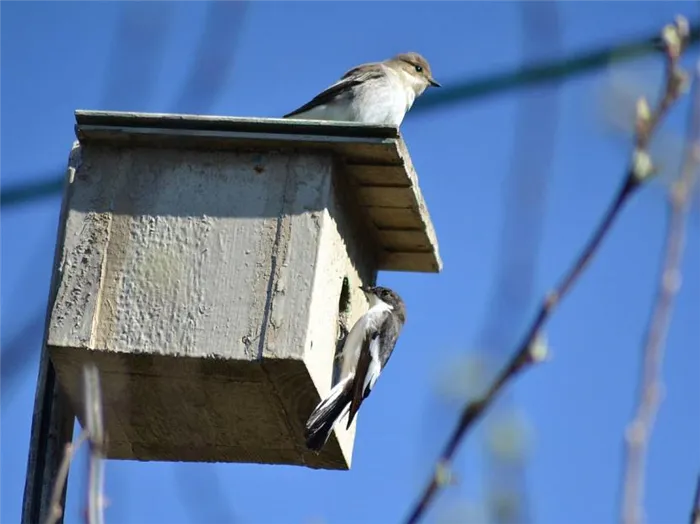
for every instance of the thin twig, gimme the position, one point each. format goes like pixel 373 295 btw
pixel 695 511
pixel 95 430
pixel 529 351
pixel 638 432
pixel 61 478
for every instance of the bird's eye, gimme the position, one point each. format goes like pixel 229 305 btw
pixel 419 68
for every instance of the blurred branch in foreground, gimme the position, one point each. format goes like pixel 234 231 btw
pixel 531 350
pixel 136 55
pixel 524 197
pixel 199 488
pixel 552 71
pixel 140 32
pixel 93 433
pixel 695 510
pixel 15 354
pixel 60 485
pixel 213 59
pixel 639 431
pixel 42 186
pixel 133 64
pixel 150 47
pixel 94 426
pixel 465 91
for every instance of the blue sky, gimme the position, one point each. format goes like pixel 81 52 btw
pixel 57 57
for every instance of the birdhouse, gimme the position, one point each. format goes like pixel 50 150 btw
pixel 208 267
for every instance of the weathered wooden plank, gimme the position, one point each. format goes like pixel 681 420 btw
pixel 78 290
pixel 420 206
pixel 394 217
pixel 404 240
pixel 372 155
pixel 217 275
pixel 365 151
pixel 378 175
pixel 319 128
pixel 419 262
pixel 52 420
pixel 388 197
pixel 202 261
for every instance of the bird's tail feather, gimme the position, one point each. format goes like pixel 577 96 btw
pixel 327 413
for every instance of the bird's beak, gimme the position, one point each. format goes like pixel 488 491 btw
pixel 434 82
pixel 366 289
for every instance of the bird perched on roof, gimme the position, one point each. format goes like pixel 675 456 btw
pixel 373 93
pixel 366 352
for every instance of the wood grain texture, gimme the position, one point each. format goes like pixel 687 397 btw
pixel 205 287
pixel 404 241
pixel 375 157
pixel 393 218
pixel 386 197
pixel 364 151
pixel 378 175
pixel 410 261
pixel 288 126
pixel 202 269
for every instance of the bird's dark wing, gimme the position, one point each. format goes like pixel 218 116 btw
pixel 389 333
pixel 377 346
pixel 359 392
pixel 354 77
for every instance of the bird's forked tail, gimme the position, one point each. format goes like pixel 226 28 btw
pixel 327 413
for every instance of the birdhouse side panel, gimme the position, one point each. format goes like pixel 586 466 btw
pixel 346 260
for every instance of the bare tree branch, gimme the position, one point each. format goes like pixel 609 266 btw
pixel 695 511
pixel 93 433
pixel 529 351
pixel 214 56
pixel 59 486
pixel 133 65
pixel 15 354
pixel 95 430
pixel 139 43
pixel 638 432
pixel 136 55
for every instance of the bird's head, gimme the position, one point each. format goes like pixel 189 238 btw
pixel 386 295
pixel 416 71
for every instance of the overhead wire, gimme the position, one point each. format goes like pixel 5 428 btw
pixel 459 92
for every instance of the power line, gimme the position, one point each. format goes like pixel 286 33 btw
pixel 544 72
pixel 33 190
pixel 460 92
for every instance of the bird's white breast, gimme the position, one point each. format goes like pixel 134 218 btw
pixel 385 101
pixel 353 342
